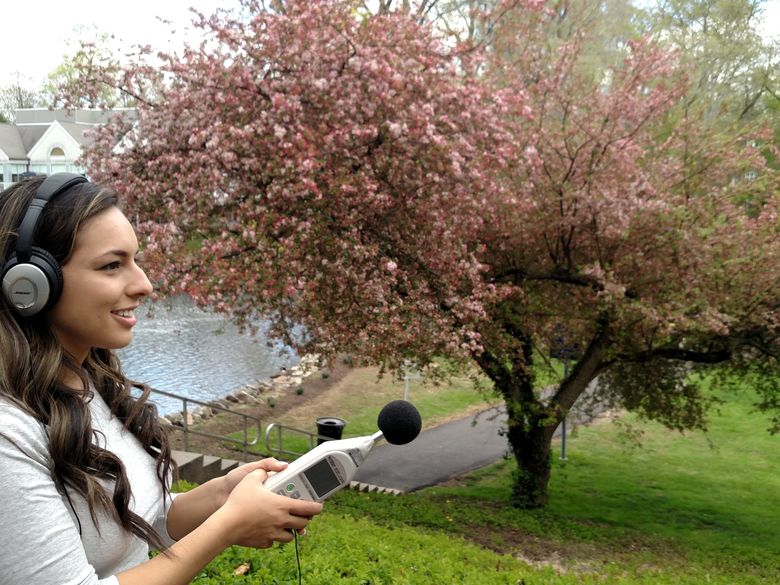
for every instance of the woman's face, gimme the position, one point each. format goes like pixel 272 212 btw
pixel 102 287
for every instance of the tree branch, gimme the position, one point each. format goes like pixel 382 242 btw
pixel 585 370
pixel 519 275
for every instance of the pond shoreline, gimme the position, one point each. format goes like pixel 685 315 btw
pixel 248 394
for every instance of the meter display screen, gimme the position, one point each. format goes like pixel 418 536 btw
pixel 322 478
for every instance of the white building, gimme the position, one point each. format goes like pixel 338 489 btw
pixel 43 141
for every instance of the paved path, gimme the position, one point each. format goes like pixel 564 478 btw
pixel 438 454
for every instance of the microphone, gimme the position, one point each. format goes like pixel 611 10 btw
pixel 400 422
pixel 330 466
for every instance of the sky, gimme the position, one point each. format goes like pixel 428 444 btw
pixel 35 46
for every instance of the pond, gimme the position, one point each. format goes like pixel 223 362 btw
pixel 180 348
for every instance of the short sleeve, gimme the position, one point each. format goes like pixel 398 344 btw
pixel 39 542
pixel 161 523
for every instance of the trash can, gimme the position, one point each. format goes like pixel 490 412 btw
pixel 329 426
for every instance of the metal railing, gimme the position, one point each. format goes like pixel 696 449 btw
pixel 278 429
pixel 246 419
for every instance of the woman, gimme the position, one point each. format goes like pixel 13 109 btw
pixel 85 468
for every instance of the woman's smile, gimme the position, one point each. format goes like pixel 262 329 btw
pixel 126 316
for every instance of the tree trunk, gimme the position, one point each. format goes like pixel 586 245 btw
pixel 531 421
pixel 531 445
pixel 530 424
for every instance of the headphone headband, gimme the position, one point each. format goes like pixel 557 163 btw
pixel 49 189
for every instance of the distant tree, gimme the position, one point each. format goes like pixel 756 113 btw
pixel 732 68
pixel 79 67
pixel 16 96
pixel 87 58
pixel 347 174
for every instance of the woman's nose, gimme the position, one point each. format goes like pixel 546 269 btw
pixel 140 286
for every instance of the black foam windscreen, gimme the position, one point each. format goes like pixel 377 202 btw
pixel 400 422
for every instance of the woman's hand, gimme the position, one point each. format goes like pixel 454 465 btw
pixel 191 509
pixel 257 517
pixel 233 478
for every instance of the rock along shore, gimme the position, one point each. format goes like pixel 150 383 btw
pixel 249 394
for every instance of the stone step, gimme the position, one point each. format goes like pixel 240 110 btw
pixel 228 465
pixel 199 468
pixel 212 467
pixel 187 464
pixel 371 488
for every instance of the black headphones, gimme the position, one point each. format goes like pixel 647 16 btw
pixel 32 279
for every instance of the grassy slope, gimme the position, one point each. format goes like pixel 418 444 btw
pixel 681 510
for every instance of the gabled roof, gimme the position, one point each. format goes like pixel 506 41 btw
pixel 18 140
pixel 11 142
pixel 30 135
pixel 44 116
pixel 76 131
pixel 55 135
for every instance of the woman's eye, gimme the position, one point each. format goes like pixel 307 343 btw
pixel 111 266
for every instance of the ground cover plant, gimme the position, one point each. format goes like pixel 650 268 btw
pixel 688 510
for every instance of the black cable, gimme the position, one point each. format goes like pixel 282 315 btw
pixel 297 557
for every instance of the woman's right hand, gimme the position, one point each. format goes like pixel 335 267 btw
pixel 256 517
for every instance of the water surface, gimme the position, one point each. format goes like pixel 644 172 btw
pixel 182 349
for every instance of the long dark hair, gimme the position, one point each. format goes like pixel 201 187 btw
pixel 32 360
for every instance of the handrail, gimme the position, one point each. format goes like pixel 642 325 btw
pixel 245 444
pixel 279 428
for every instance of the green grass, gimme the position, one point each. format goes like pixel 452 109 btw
pixel 683 509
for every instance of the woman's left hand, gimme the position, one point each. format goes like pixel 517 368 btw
pixel 233 478
pixel 190 509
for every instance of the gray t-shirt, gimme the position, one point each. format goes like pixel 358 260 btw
pixel 39 534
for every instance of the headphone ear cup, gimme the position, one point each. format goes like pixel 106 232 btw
pixel 32 286
pixel 49 265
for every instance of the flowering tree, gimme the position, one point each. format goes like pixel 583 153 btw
pixel 644 239
pixel 341 172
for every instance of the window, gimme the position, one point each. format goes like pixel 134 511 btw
pixel 56 151
pixel 17 170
